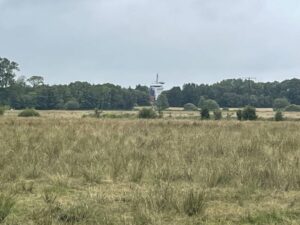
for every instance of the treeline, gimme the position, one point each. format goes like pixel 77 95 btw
pixel 78 95
pixel 34 93
pixel 236 93
pixel 21 93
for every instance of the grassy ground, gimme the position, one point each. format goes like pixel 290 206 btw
pixel 172 113
pixel 69 170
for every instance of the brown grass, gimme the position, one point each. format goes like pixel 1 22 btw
pixel 65 170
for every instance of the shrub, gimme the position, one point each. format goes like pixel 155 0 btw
pixel 194 203
pixel 249 113
pixel 147 113
pixel 280 103
pixel 292 108
pixel 209 104
pixel 218 114
pixel 6 205
pixel 97 113
pixel 239 114
pixel 190 107
pixel 2 111
pixel 205 114
pixel 29 113
pixel 278 116
pixel 162 102
pixel 72 105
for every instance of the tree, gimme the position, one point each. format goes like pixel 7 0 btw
pixel 292 108
pixel 279 116
pixel 210 104
pixel 36 81
pixel 204 114
pixel 249 113
pixel 162 102
pixel 201 102
pixel 175 97
pixel 280 103
pixel 190 107
pixel 190 93
pixel 7 72
pixel 147 113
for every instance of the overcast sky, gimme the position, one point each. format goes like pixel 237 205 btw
pixel 127 42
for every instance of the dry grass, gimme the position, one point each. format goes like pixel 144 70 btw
pixel 172 113
pixel 90 171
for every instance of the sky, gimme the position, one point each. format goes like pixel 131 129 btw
pixel 127 42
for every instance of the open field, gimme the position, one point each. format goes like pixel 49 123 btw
pixel 175 113
pixel 68 170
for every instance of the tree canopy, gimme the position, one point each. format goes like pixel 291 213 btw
pixel 7 72
pixel 33 92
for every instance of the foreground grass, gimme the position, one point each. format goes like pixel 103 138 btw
pixel 89 171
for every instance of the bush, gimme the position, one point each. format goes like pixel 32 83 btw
pixel 218 114
pixel 205 114
pixel 29 113
pixel 278 116
pixel 147 113
pixel 292 108
pixel 190 107
pixel 239 114
pixel 280 103
pixel 72 105
pixel 209 104
pixel 2 111
pixel 249 113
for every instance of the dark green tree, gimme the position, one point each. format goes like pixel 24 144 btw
pixel 190 107
pixel 204 114
pixel 201 102
pixel 7 72
pixel 280 103
pixel 147 113
pixel 35 81
pixel 278 116
pixel 162 102
pixel 210 104
pixel 249 113
pixel 175 97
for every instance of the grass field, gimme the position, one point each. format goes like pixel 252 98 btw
pixel 64 169
pixel 172 113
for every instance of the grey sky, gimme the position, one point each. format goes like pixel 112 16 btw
pixel 128 41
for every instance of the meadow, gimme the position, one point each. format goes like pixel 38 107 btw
pixel 65 169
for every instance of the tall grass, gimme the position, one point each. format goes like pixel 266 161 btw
pixel 149 172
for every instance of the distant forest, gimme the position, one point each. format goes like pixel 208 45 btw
pixel 21 93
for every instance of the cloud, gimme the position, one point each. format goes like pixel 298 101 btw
pixel 128 41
